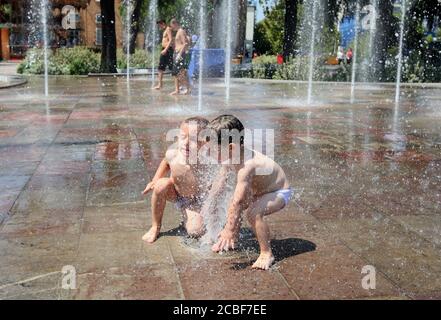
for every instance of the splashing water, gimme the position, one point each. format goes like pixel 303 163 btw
pixel 400 52
pixel 313 22
pixel 354 58
pixel 216 214
pixel 372 34
pixel 128 36
pixel 228 49
pixel 44 22
pixel 202 46
pixel 153 13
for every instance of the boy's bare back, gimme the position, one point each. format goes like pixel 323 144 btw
pixel 265 174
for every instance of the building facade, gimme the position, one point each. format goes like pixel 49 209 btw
pixel 70 23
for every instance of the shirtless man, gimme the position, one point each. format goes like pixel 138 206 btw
pixel 262 189
pixel 166 58
pixel 185 186
pixel 180 59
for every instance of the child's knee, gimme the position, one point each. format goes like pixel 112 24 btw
pixel 195 226
pixel 253 216
pixel 195 229
pixel 162 186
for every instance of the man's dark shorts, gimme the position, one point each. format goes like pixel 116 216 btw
pixel 166 61
pixel 180 63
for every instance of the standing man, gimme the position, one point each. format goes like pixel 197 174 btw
pixel 180 58
pixel 166 58
pixel 349 56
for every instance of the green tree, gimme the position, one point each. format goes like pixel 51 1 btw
pixel 385 39
pixel 270 31
pixel 108 48
pixel 290 28
pixel 140 8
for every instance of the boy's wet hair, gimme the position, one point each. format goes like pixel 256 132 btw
pixel 201 123
pixel 162 21
pixel 227 123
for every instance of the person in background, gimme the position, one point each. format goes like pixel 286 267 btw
pixel 166 58
pixel 349 56
pixel 180 59
pixel 340 56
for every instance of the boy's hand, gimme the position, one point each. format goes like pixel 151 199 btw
pixel 227 241
pixel 149 187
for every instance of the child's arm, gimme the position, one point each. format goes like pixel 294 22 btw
pixel 161 172
pixel 241 201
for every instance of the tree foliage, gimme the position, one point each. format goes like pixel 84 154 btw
pixel 269 32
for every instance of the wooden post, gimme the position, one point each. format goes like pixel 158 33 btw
pixel 5 49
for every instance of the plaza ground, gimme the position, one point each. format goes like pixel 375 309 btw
pixel 72 168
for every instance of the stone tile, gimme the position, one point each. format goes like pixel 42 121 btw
pixel 344 207
pixel 403 256
pixel 50 199
pixel 117 179
pixel 331 272
pixel 61 167
pixel 12 153
pixel 118 150
pixel 42 222
pixel 136 165
pixel 429 295
pixel 117 218
pixel 313 232
pixel 69 152
pixel 220 280
pixel 29 257
pixel 24 168
pixel 155 281
pixel 70 182
pixel 99 251
pixel 12 183
pixel 428 227
pixel 42 287
pixel 115 195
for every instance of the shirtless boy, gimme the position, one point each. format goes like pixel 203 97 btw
pixel 262 189
pixel 166 58
pixel 185 185
pixel 180 59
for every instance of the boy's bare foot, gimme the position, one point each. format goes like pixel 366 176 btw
pixel 264 261
pixel 174 93
pixel 152 235
pixel 157 88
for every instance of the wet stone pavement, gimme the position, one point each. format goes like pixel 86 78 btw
pixel 72 169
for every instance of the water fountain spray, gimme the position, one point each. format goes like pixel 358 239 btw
pixel 315 5
pixel 44 22
pixel 372 31
pixel 400 52
pixel 153 9
pixel 228 49
pixel 354 59
pixel 128 36
pixel 202 46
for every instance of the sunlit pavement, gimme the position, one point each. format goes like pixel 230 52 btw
pixel 72 169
